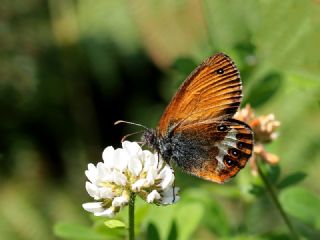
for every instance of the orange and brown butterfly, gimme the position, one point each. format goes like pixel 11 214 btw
pixel 197 131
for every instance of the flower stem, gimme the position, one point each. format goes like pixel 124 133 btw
pixel 274 198
pixel 206 13
pixel 131 216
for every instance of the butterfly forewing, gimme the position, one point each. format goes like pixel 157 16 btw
pixel 212 91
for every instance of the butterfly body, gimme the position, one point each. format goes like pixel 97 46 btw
pixel 197 131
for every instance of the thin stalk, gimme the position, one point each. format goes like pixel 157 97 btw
pixel 274 198
pixel 131 216
pixel 205 12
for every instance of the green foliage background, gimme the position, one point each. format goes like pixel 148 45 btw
pixel 69 69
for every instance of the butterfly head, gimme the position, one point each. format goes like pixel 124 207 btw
pixel 149 137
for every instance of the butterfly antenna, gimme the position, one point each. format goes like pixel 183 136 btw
pixel 128 135
pixel 131 123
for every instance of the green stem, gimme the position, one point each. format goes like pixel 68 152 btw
pixel 131 216
pixel 274 198
pixel 205 13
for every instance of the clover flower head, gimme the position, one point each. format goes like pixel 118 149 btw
pixel 125 171
pixel 264 128
pixel 245 114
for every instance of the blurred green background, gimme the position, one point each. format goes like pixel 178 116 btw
pixel 70 68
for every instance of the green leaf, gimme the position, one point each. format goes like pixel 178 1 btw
pixel 262 206
pixel 115 224
pixel 257 190
pixel 214 216
pixel 184 65
pixel 301 204
pixel 188 217
pixel 114 233
pixel 273 173
pixel 74 231
pixel 162 217
pixel 175 220
pixel 173 234
pixel 265 90
pixel 292 179
pixel 152 232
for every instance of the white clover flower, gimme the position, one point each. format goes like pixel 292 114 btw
pixel 124 171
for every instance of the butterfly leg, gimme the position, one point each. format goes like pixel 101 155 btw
pixel 174 190
pixel 158 160
pixel 141 144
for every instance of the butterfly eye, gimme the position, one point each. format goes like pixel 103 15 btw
pixel 220 71
pixel 222 128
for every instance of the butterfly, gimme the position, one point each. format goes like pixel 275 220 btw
pixel 197 131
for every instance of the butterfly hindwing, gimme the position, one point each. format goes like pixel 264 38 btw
pixel 213 151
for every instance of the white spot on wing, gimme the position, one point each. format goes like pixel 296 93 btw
pixel 229 141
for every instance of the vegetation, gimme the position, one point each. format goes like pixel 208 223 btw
pixel 70 69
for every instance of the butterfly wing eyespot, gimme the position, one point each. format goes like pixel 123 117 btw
pixel 229 162
pixel 220 71
pixel 222 128
pixel 212 91
pixel 234 152
pixel 243 145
